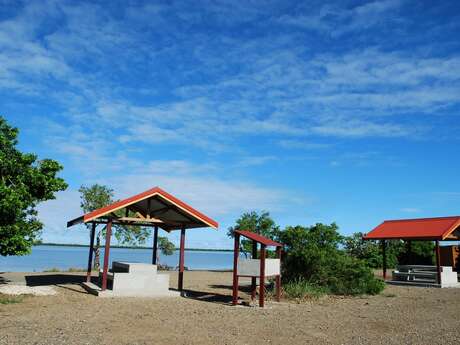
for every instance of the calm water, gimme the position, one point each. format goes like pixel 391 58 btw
pixel 46 257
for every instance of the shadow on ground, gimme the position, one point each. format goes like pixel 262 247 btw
pixel 3 280
pixel 207 297
pixel 54 279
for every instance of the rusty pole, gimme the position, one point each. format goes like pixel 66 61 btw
pixel 262 276
pixel 181 259
pixel 236 253
pixel 108 234
pixel 90 256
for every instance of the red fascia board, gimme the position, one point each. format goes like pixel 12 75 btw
pixel 144 195
pixel 422 228
pixel 258 238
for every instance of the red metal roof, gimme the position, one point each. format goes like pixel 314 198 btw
pixel 422 228
pixel 258 238
pixel 161 198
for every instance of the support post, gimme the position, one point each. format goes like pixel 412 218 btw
pixel 254 279
pixel 262 276
pixel 155 245
pixel 90 256
pixel 384 263
pixel 438 262
pixel 236 254
pixel 278 277
pixel 181 260
pixel 409 252
pixel 108 234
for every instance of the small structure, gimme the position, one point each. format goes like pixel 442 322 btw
pixel 257 269
pixel 422 229
pixel 152 208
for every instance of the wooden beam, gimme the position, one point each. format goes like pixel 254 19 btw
pixel 262 276
pixel 236 254
pixel 438 262
pixel 181 260
pixel 108 234
pixel 155 246
pixel 90 256
pixel 384 263
pixel 145 220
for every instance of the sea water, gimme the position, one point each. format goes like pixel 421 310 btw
pixel 64 257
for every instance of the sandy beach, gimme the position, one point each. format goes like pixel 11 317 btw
pixel 400 315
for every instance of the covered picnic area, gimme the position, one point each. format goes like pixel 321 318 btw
pixel 153 208
pixel 439 229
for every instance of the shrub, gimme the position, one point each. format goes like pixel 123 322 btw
pixel 312 254
pixel 4 299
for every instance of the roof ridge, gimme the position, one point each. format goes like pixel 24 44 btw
pixel 419 219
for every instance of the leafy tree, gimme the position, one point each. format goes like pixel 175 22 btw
pixel 261 224
pixel 165 246
pixel 97 196
pixel 25 181
pixel 313 255
pixel 422 252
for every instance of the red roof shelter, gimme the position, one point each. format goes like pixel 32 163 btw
pixel 152 208
pixel 264 242
pixel 421 229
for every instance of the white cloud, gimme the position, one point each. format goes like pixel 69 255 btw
pixel 411 210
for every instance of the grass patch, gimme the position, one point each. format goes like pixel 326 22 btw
pixel 302 289
pixel 71 269
pixel 4 299
pixel 389 295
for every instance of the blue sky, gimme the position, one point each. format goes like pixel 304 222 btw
pixel 344 111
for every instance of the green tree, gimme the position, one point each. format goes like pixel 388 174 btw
pixel 25 181
pixel 261 224
pixel 97 196
pixel 165 246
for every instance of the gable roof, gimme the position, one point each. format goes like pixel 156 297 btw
pixel 258 238
pixel 422 228
pixel 170 212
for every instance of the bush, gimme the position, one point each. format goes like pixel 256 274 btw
pixel 312 255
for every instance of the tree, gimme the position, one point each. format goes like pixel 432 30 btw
pixel 313 255
pixel 261 224
pixel 421 252
pixel 97 196
pixel 165 246
pixel 25 181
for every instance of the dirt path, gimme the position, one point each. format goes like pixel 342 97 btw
pixel 399 316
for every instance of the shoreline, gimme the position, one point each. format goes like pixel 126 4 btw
pixel 129 247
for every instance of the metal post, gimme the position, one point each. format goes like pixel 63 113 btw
pixel 254 279
pixel 438 262
pixel 155 245
pixel 384 263
pixel 90 256
pixel 181 260
pixel 262 277
pixel 278 277
pixel 236 254
pixel 108 234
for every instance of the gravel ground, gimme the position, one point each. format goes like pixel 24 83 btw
pixel 400 315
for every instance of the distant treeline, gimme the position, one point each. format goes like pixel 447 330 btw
pixel 129 247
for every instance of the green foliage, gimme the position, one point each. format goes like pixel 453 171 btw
pixel 261 224
pixel 396 251
pixel 24 182
pixel 97 196
pixel 312 254
pixel 165 246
